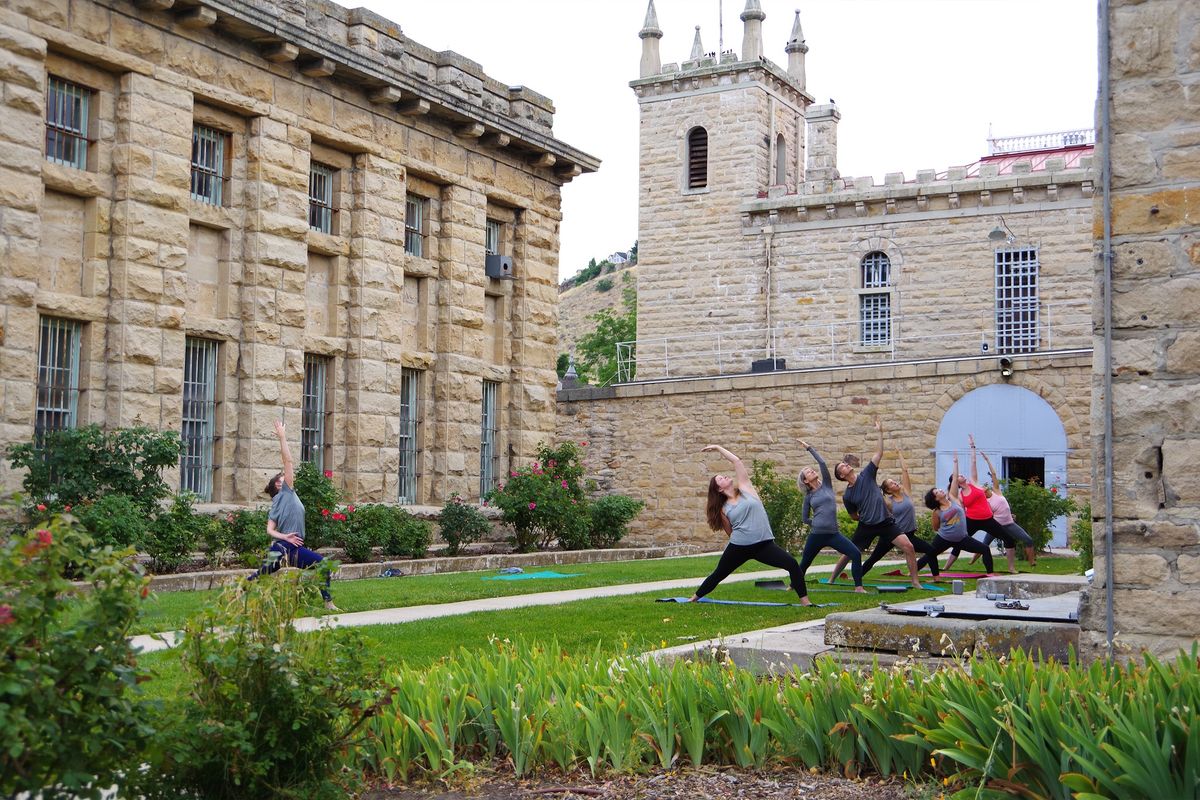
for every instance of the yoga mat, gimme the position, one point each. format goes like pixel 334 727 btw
pixel 885 587
pixel 525 576
pixel 944 574
pixel 739 602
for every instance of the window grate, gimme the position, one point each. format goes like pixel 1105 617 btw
pixel 415 212
pixel 1017 329
pixel 875 318
pixel 67 123
pixel 208 165
pixel 491 238
pixel 199 416
pixel 410 415
pixel 489 454
pixel 876 270
pixel 58 375
pixel 320 197
pixel 314 410
pixel 697 158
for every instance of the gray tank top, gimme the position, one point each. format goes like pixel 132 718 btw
pixel 905 514
pixel 749 520
pixel 954 531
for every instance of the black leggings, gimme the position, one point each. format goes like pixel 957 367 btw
pixel 813 545
pixel 884 545
pixel 765 551
pixel 1012 535
pixel 940 546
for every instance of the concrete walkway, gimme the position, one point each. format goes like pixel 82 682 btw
pixel 149 643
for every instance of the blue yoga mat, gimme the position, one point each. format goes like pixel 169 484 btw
pixel 739 602
pixel 925 586
pixel 525 576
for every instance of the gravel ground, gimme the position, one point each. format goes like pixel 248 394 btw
pixel 702 784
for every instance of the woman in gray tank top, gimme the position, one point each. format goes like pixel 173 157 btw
pixel 897 496
pixel 950 522
pixel 733 506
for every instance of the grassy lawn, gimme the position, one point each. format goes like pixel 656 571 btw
pixel 633 622
pixel 168 610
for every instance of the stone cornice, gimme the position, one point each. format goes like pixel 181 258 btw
pixel 371 53
pixel 709 74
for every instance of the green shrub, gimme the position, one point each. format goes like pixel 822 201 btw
pixel 847 525
pixel 611 516
pixel 604 284
pixel 69 707
pixel 461 523
pixel 545 502
pixel 1081 538
pixel 72 465
pixel 320 498
pixel 783 501
pixel 1035 507
pixel 270 710
pixel 362 529
pixel 246 535
pixel 113 520
pixel 174 534
pixel 409 537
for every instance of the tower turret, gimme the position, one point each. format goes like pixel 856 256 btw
pixel 650 34
pixel 795 49
pixel 752 19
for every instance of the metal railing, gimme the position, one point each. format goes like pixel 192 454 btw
pixel 1065 325
pixel 1041 141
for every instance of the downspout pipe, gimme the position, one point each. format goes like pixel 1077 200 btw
pixel 1106 282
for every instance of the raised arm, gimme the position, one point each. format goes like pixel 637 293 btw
pixel 953 490
pixel 289 468
pixel 875 459
pixel 974 461
pixel 739 469
pixel 820 463
pixel 992 472
pixel 905 483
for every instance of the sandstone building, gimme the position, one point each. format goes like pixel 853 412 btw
pixel 779 300
pixel 214 215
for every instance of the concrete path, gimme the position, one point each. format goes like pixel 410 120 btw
pixel 149 643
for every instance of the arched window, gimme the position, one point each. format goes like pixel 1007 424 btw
pixel 875 308
pixel 780 159
pixel 697 158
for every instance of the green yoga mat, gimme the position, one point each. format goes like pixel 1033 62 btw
pixel 739 602
pixel 886 586
pixel 527 576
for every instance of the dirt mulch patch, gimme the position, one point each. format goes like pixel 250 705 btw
pixel 687 784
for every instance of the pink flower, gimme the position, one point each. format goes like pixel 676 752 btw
pixel 485 502
pixel 324 512
pixel 45 538
pixel 564 484
pixel 350 509
pixel 6 615
pixel 500 487
pixel 66 508
pixel 328 473
pixel 532 506
pixel 552 464
pixel 41 506
pixel 229 517
pixel 583 444
pixel 512 474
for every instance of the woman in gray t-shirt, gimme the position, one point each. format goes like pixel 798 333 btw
pixel 950 522
pixel 819 513
pixel 734 507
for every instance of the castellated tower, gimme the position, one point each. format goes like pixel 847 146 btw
pixel 715 131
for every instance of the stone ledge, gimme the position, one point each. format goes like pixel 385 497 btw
pixel 877 630
pixel 1024 587
pixel 195 581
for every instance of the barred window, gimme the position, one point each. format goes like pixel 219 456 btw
pixel 1017 329
pixel 876 270
pixel 416 212
pixel 875 318
pixel 489 451
pixel 58 375
pixel 199 416
pixel 697 158
pixel 209 170
pixel 410 448
pixel 320 197
pixel 67 123
pixel 491 237
pixel 314 412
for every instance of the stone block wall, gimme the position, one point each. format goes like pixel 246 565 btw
pixel 644 439
pixel 124 248
pixel 1155 359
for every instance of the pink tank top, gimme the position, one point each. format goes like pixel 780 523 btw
pixel 1000 509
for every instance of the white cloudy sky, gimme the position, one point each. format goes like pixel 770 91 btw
pixel 918 82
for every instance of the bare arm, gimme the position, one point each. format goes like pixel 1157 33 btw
pixel 739 469
pixel 935 520
pixel 992 471
pixel 289 470
pixel 275 533
pixel 905 483
pixel 953 490
pixel 875 459
pixel 974 461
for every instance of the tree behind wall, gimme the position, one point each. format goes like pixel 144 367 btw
pixel 598 349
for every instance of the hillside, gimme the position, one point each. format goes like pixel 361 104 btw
pixel 577 303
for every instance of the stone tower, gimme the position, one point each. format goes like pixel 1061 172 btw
pixel 716 131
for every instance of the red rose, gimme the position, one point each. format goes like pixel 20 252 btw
pixel 328 473
pixel 45 538
pixel 583 444
pixel 1053 490
pixel 145 592
pixel 350 509
pixel 67 508
pixel 6 615
pixel 41 506
pixel 324 512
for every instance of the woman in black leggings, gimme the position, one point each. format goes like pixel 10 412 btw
pixel 950 522
pixel 820 514
pixel 734 507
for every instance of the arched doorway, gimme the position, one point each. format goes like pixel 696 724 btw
pixel 1019 431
